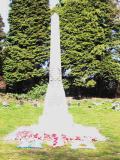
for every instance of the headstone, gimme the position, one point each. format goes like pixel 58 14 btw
pixel 116 106
pixel 5 103
pixel 78 104
pixel 35 103
pixel 21 102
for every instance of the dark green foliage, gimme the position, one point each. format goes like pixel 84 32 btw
pixel 38 91
pixel 2 36
pixel 28 43
pixel 90 39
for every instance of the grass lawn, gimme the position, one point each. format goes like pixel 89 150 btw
pixel 92 112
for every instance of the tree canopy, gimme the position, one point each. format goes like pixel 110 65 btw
pixel 90 43
pixel 2 36
pixel 90 39
pixel 28 43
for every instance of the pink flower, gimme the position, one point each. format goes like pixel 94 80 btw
pixel 77 138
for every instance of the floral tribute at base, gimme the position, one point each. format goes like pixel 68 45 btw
pixel 29 140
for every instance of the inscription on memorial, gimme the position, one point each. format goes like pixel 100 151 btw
pixel 55 74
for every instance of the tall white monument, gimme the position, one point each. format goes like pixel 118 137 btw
pixel 55 116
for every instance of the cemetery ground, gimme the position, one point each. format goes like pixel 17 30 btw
pixel 104 114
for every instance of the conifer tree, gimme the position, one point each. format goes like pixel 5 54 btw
pixel 28 43
pixel 90 38
pixel 2 36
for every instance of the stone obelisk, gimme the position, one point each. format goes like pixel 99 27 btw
pixel 55 116
pixel 55 96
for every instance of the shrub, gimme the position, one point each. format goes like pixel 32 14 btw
pixel 38 91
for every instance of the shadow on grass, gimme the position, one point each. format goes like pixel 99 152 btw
pixel 105 151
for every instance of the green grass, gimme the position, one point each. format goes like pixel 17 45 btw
pixel 89 113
